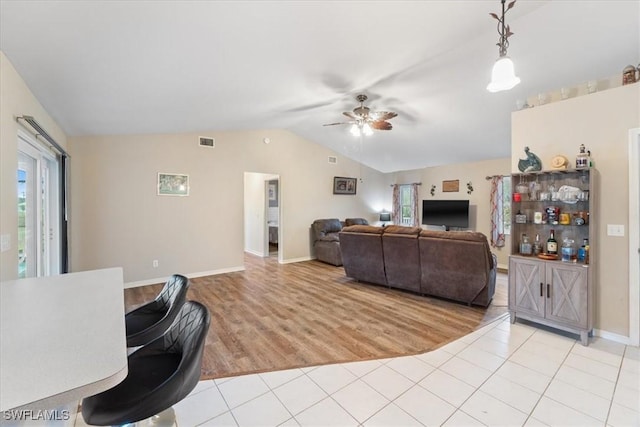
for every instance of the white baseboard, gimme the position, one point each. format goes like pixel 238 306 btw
pixel 291 260
pixel 612 337
pixel 256 253
pixel 189 275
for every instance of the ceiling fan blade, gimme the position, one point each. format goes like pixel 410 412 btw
pixel 380 125
pixel 308 107
pixel 350 115
pixel 385 115
pixel 338 123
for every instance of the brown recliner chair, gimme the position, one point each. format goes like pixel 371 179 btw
pixel 326 242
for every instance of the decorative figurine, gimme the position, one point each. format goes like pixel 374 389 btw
pixel 469 187
pixel 433 190
pixel 559 162
pixel 629 75
pixel 531 164
pixel 582 159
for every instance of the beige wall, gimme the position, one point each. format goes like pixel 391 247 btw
pixel 476 173
pixel 15 100
pixel 601 121
pixel 120 221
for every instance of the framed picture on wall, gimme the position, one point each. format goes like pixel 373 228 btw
pixel 272 192
pixel 342 185
pixel 173 184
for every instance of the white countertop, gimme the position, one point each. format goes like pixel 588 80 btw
pixel 62 338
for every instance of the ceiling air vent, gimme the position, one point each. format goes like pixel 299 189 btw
pixel 333 160
pixel 207 142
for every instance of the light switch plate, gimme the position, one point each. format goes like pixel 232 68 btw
pixel 616 230
pixel 5 242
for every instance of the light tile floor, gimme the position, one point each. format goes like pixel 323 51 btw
pixel 500 375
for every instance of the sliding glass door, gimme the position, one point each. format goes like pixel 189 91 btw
pixel 38 213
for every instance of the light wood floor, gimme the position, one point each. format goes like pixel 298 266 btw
pixel 273 316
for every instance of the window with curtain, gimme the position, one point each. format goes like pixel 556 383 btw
pixel 500 202
pixel 405 204
pixel 506 204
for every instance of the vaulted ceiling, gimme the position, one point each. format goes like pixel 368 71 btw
pixel 116 67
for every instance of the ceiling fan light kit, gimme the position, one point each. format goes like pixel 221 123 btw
pixel 503 76
pixel 358 129
pixel 363 122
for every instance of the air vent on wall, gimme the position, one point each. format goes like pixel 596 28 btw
pixel 207 142
pixel 333 160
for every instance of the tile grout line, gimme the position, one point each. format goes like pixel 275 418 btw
pixel 615 388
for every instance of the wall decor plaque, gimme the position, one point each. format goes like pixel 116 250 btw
pixel 452 186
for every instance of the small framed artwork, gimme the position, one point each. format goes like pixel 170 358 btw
pixel 342 185
pixel 272 192
pixel 173 184
pixel 451 186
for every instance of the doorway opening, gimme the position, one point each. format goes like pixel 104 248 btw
pixel 262 215
pixel 272 193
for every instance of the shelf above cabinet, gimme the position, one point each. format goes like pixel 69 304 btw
pixel 551 225
pixel 553 172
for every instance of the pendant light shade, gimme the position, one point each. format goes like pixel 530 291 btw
pixel 503 76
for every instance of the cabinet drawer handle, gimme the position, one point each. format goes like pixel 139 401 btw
pixel 548 290
pixel 541 285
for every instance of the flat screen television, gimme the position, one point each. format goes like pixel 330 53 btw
pixel 448 213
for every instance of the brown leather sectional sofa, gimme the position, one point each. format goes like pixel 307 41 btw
pixel 456 265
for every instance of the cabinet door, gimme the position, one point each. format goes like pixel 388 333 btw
pixel 567 294
pixel 526 293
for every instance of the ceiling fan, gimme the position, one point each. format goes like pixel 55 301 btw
pixel 364 121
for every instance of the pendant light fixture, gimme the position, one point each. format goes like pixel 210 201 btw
pixel 503 76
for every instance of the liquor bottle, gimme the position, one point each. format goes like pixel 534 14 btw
pixel 586 258
pixel 568 251
pixel 582 251
pixel 537 246
pixel 552 244
pixel 525 245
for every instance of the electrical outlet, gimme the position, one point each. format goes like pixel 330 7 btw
pixel 155 263
pixel 616 230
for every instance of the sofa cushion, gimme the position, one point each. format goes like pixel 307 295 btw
pixel 402 229
pixel 355 221
pixel 322 227
pixel 361 247
pixel 363 229
pixel 402 257
pixel 471 236
pixel 457 265
pixel 331 237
